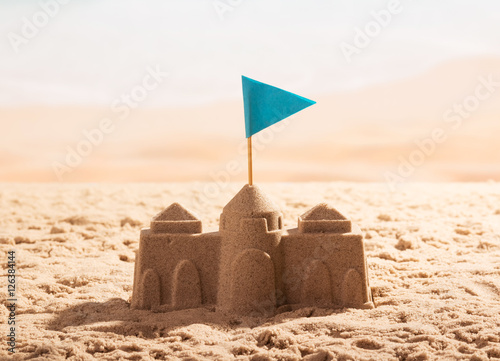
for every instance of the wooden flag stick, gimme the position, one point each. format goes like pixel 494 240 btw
pixel 250 172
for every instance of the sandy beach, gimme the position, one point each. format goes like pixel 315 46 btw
pixel 433 253
pixel 111 111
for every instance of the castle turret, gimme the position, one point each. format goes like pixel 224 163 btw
pixel 176 265
pixel 330 250
pixel 251 260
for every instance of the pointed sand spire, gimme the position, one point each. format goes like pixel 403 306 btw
pixel 176 219
pixel 323 218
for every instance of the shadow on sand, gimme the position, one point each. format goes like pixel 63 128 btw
pixel 115 315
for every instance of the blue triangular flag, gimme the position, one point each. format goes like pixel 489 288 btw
pixel 265 105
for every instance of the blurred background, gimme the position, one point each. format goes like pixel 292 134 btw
pixel 119 90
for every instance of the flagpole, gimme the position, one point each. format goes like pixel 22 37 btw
pixel 250 172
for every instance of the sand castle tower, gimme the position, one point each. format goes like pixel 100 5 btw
pixel 251 262
pixel 176 265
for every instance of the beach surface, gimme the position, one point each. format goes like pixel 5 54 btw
pixel 433 253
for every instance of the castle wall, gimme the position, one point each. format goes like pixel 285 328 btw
pixel 162 252
pixel 339 252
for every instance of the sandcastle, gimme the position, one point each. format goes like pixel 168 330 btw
pixel 252 266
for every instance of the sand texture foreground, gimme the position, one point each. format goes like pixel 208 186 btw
pixel 433 254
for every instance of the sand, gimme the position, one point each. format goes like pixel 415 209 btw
pixel 433 253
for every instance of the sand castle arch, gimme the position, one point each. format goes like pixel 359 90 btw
pixel 245 267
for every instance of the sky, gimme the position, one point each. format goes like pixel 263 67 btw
pixel 383 73
pixel 88 52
